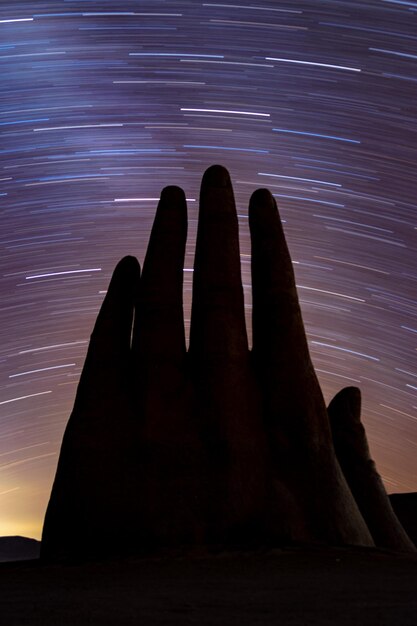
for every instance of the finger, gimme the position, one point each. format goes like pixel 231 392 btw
pixel 158 334
pixel 92 505
pixel 278 328
pixel 230 430
pixel 114 322
pixel 108 352
pixel 279 339
pixel 217 318
pixel 170 491
pixel 294 409
pixel 352 450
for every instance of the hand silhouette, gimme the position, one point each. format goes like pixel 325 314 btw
pixel 217 445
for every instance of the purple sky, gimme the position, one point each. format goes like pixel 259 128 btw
pixel 104 103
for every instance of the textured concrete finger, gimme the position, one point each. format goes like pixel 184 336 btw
pixel 158 345
pixel 230 425
pixel 169 449
pixel 279 339
pixel 294 409
pixel 159 322
pixel 352 450
pixel 108 354
pixel 92 509
pixel 217 319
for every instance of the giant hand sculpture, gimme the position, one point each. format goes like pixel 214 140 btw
pixel 217 446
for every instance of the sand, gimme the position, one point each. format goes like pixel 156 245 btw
pixel 292 586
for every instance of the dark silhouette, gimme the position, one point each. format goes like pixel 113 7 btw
pixel 217 446
pixel 16 548
pixel 405 508
pixel 352 450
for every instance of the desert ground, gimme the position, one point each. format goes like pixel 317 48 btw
pixel 294 586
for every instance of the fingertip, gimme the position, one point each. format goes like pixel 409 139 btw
pixel 216 196
pixel 350 392
pixel 112 330
pixel 126 271
pixel 123 284
pixel 159 325
pixel 173 194
pixel 216 176
pixel 348 397
pixel 262 197
pixel 128 263
pixel 171 215
pixel 262 207
pixel 217 316
pixel 353 393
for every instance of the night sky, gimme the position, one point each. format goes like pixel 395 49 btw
pixel 105 103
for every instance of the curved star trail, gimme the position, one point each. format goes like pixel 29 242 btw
pixel 104 103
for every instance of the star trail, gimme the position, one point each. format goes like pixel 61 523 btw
pixel 105 103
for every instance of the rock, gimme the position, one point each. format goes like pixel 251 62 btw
pixel 405 508
pixel 18 549
pixel 217 446
pixel 311 489
pixel 93 508
pixel 352 450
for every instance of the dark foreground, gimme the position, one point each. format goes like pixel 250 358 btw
pixel 294 586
